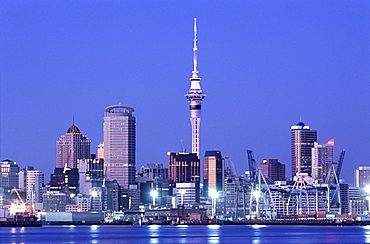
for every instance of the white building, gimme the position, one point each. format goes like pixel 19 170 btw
pixel 35 183
pixel 186 193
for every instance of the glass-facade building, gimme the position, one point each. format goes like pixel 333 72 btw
pixel 213 172
pixel 303 140
pixel 120 145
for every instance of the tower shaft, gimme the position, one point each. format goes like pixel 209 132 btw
pixel 195 97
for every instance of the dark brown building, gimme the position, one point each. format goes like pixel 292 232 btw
pixel 184 168
pixel 272 170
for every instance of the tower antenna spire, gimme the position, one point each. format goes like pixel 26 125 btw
pixel 195 50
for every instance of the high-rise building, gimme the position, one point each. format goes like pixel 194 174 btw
pixel 362 177
pixel 322 158
pixel 195 97
pixel 184 168
pixel 35 184
pixel 72 146
pixel 302 139
pixel 9 177
pixel 213 172
pixel 23 177
pixel 120 145
pixel 272 170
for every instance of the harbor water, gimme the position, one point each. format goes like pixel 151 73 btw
pixel 187 234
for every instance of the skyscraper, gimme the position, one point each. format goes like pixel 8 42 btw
pixel 72 146
pixel 302 139
pixel 213 172
pixel 195 97
pixel 120 145
pixel 322 158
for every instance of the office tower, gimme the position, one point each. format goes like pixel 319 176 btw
pixel 92 168
pixel 195 97
pixel 9 177
pixel 72 146
pixel 89 169
pixel 322 158
pixel 65 180
pixel 344 198
pixel 362 177
pixel 184 168
pixel 23 177
pixel 302 139
pixel 35 184
pixel 272 170
pixel 213 172
pixel 120 145
pixel 154 171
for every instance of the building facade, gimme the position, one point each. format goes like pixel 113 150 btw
pixel 184 168
pixel 9 177
pixel 213 172
pixel 35 184
pixel 302 141
pixel 154 171
pixel 322 158
pixel 362 177
pixel 272 170
pixel 120 144
pixel 71 147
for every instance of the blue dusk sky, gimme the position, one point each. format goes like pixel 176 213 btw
pixel 264 65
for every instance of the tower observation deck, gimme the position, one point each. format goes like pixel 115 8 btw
pixel 195 97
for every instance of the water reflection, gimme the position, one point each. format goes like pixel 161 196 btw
pixel 367 233
pixel 213 233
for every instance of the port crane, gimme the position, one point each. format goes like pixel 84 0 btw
pixel 260 194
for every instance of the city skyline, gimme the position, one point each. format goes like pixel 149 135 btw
pixel 264 65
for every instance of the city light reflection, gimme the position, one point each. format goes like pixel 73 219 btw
pixel 213 239
pixel 153 231
pixel 213 226
pixel 258 226
pixel 367 233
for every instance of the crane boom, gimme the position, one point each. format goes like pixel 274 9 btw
pixel 252 164
pixel 340 162
pixel 235 175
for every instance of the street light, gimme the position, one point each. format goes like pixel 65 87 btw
pixel 182 192
pixel 214 194
pixel 154 194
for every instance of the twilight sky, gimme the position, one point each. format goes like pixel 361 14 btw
pixel 264 64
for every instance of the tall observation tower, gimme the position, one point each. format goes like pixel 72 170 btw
pixel 195 97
